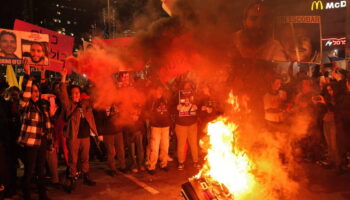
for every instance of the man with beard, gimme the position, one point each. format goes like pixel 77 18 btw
pixel 298 43
pixel 8 45
pixel 255 40
pixel 38 54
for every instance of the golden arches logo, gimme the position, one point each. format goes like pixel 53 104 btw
pixel 317 5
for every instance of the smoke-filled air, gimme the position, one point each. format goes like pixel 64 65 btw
pixel 197 39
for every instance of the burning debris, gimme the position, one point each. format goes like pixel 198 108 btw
pixel 236 168
pixel 227 172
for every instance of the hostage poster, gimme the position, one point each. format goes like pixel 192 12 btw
pixel 300 37
pixel 18 47
pixel 61 46
pixel 186 99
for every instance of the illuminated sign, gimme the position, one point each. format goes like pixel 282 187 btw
pixel 334 41
pixel 319 5
pixel 299 19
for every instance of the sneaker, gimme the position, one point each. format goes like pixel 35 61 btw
pixel 170 159
pixel 135 170
pixel 181 166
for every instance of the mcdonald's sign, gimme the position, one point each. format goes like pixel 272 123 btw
pixel 317 5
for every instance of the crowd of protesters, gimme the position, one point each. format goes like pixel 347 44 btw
pixel 52 122
pixel 316 110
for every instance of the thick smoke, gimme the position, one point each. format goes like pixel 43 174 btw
pixel 197 37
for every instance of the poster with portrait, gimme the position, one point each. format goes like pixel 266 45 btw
pixel 60 46
pixel 18 47
pixel 35 53
pixel 300 37
pixel 186 100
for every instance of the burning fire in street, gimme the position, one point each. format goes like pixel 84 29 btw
pixel 240 168
pixel 226 167
pixel 227 171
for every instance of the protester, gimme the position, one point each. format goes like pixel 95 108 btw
pixel 344 115
pixel 51 156
pixel 14 151
pixel 59 138
pixel 304 122
pixel 158 114
pixel 186 125
pixel 106 126
pixel 132 123
pixel 208 108
pixel 79 124
pixel 35 137
pixel 275 105
pixel 330 132
pixel 135 134
pixel 6 178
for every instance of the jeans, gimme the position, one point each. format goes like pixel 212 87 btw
pixel 76 146
pixel 115 146
pixel 34 162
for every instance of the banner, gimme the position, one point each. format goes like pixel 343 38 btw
pixel 300 37
pixel 61 46
pixel 17 47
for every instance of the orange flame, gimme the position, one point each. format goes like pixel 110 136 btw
pixel 233 100
pixel 225 163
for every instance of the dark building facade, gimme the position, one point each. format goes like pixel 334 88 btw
pixel 76 18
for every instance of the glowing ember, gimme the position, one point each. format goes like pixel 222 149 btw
pixel 233 100
pixel 225 164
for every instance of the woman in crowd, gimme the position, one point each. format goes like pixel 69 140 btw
pixel 80 124
pixel 35 137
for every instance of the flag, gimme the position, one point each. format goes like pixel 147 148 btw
pixel 11 76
